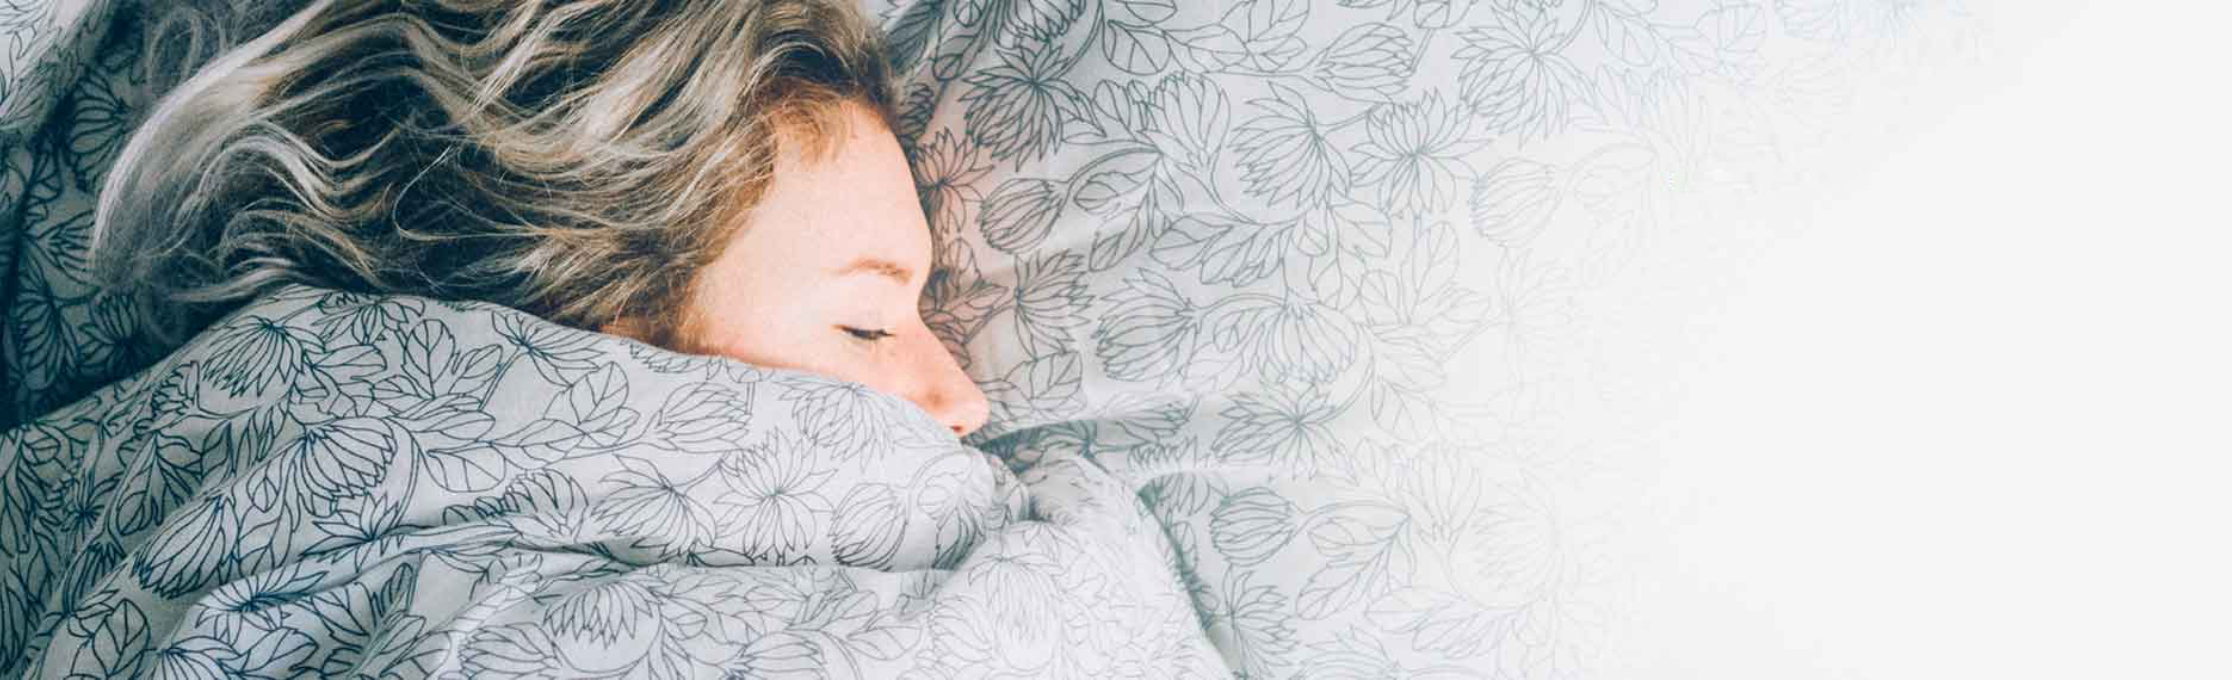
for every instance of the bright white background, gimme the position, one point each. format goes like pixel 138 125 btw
pixel 1971 421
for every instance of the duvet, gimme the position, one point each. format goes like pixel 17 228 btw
pixel 327 484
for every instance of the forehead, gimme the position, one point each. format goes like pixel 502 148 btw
pixel 835 202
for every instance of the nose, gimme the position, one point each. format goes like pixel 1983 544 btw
pixel 941 388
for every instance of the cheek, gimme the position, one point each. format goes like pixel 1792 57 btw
pixel 759 344
pixel 740 316
pixel 750 333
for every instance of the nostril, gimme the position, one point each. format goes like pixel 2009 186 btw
pixel 946 391
pixel 956 413
pixel 972 410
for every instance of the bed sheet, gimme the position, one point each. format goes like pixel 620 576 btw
pixel 1310 275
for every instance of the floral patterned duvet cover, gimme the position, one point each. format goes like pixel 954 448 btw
pixel 1276 300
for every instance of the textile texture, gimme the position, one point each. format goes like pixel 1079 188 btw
pixel 1312 275
pixel 329 484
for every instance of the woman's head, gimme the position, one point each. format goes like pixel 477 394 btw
pixel 827 277
pixel 648 167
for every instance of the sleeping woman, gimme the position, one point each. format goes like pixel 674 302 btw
pixel 711 177
pixel 716 178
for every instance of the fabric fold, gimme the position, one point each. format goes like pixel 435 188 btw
pixel 330 483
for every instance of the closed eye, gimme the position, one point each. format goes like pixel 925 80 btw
pixel 866 334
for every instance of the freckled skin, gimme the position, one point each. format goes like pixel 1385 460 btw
pixel 786 293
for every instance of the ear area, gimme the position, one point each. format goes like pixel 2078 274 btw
pixel 657 330
pixel 630 327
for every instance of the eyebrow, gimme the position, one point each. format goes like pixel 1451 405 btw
pixel 871 265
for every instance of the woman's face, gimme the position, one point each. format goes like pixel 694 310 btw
pixel 826 274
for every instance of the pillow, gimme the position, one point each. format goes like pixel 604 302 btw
pixel 1311 276
pixel 69 102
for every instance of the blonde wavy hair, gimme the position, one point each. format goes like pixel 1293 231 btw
pixel 581 160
